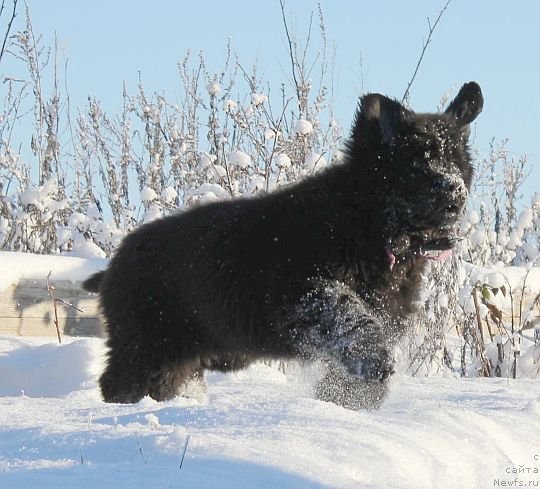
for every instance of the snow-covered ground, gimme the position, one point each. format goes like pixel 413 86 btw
pixel 259 428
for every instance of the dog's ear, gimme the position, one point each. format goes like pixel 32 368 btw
pixel 467 104
pixel 377 117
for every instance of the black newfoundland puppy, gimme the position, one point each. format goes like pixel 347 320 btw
pixel 327 269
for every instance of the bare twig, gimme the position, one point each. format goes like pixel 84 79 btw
pixel 479 338
pixel 9 25
pixel 50 289
pixel 62 301
pixel 477 310
pixel 184 451
pixel 522 298
pixel 291 50
pixel 55 300
pixel 141 452
pixel 424 48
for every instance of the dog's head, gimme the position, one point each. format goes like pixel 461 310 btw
pixel 419 164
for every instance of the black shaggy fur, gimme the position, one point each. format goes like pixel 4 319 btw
pixel 325 269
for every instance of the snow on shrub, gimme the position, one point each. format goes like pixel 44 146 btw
pixel 271 133
pixel 148 194
pixel 314 161
pixel 213 88
pixel 206 193
pixel 152 213
pixel 303 127
pixel 239 159
pixel 282 161
pixel 258 99
pixel 492 278
pixel 142 163
pixel 169 194
pixel 229 105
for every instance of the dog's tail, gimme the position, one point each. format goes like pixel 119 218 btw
pixel 92 283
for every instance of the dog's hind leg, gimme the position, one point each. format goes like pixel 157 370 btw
pixel 178 378
pixel 134 371
pixel 124 380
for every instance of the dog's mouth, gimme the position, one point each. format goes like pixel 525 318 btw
pixel 438 247
pixel 434 245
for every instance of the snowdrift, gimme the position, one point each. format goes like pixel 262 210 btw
pixel 257 428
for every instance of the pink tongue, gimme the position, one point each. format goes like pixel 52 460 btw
pixel 391 258
pixel 443 255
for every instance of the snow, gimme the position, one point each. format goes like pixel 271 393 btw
pixel 477 237
pixel 282 160
pixel 496 280
pixel 257 428
pixel 45 370
pixel 525 219
pixel 314 161
pixel 514 277
pixel 148 194
pixel 514 240
pixel 29 197
pixel 86 249
pixel 41 197
pixel 271 133
pixel 221 172
pixel 229 105
pixel 239 159
pixel 209 192
pixel 213 88
pixel 152 213
pixel 15 266
pixel 303 127
pixel 531 251
pixel 258 99
pixel 206 160
pixel 169 194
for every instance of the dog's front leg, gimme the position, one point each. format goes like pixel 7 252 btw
pixel 334 325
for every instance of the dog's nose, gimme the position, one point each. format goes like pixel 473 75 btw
pixel 452 193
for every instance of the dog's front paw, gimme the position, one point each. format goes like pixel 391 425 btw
pixel 376 367
pixel 353 390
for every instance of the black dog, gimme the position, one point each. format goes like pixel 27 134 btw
pixel 325 269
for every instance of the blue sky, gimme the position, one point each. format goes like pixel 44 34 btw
pixel 494 42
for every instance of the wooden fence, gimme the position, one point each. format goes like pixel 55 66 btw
pixel 28 309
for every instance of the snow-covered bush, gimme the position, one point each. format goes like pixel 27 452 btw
pixel 499 302
pixel 91 177
pixel 489 293
pixel 495 229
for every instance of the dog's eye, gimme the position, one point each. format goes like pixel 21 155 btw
pixel 434 148
pixel 430 147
